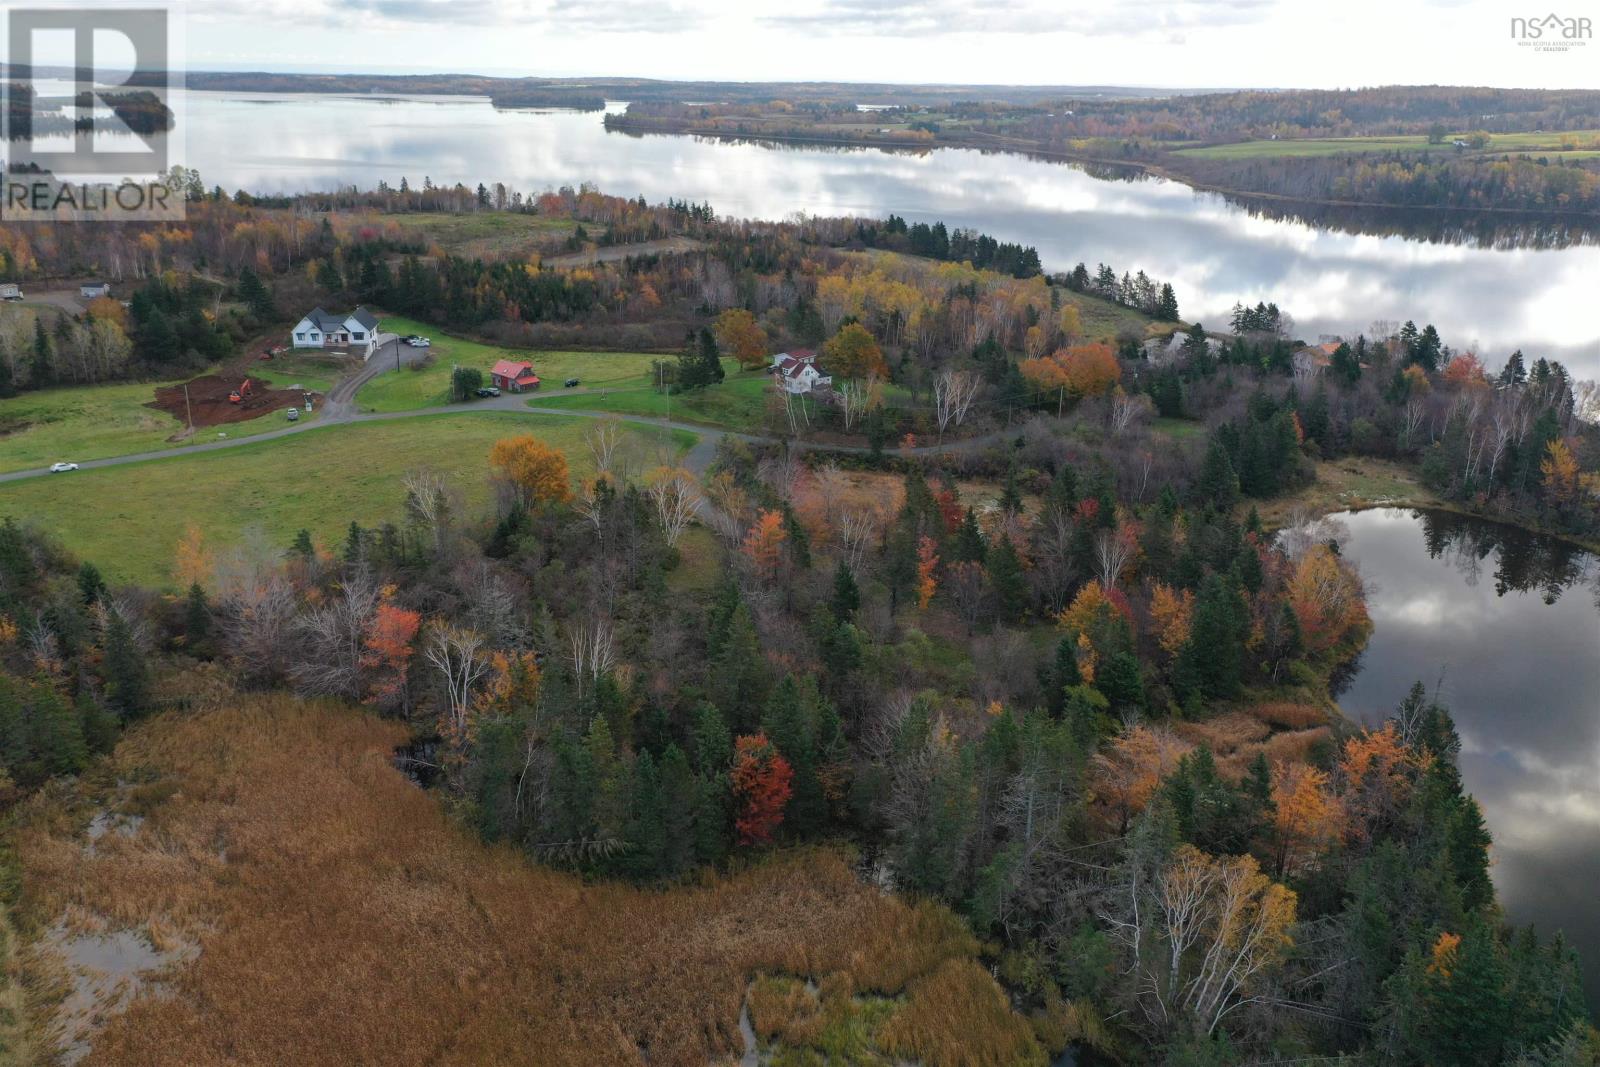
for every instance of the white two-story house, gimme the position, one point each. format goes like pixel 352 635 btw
pixel 797 371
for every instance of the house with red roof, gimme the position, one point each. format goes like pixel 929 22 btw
pixel 797 371
pixel 514 376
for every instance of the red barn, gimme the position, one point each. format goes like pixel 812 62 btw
pixel 513 376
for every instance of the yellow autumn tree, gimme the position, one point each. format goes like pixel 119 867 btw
pixel 1173 613
pixel 927 564
pixel 1326 598
pixel 536 472
pixel 1560 470
pixel 193 563
pixel 853 353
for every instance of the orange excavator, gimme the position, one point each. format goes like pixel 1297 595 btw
pixel 238 395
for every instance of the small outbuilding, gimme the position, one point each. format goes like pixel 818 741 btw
pixel 93 290
pixel 514 376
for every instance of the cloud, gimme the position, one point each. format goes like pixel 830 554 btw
pixel 541 16
pixel 902 18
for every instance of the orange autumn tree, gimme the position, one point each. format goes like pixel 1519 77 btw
pixel 761 788
pixel 536 472
pixel 1378 772
pixel 1082 370
pixel 763 544
pixel 386 651
pixel 927 563
pixel 739 334
pixel 1326 598
pixel 1128 773
pixel 1307 817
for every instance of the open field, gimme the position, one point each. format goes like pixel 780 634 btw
pixel 428 384
pixel 97 421
pixel 128 519
pixel 1329 146
pixel 79 423
pixel 738 403
pixel 1351 484
pixel 486 234
pixel 315 907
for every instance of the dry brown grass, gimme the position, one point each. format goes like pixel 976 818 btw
pixel 1293 746
pixel 950 1008
pixel 1289 715
pixel 342 918
pixel 1224 734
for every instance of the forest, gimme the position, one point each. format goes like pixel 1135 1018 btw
pixel 1063 681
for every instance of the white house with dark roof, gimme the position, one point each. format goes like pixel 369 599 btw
pixel 797 371
pixel 319 329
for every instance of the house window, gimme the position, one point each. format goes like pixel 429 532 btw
pixel 358 335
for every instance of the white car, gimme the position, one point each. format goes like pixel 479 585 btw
pixel 419 342
pixel 61 468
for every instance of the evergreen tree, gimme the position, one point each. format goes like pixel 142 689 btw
pixel 970 546
pixel 1218 486
pixel 846 596
pixel 43 367
pixel 196 615
pixel 1007 580
pixel 1211 663
pixel 126 672
pixel 90 585
pixel 303 547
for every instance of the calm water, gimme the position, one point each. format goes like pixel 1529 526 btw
pixel 1511 624
pixel 1213 252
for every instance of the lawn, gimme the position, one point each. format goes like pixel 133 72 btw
pixel 79 423
pixel 1181 429
pixel 128 519
pixel 317 373
pixel 428 385
pixel 738 403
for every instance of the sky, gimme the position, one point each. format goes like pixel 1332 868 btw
pixel 1161 43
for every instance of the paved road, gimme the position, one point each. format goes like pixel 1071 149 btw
pixel 339 408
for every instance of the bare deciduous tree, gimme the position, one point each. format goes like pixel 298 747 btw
pixel 953 393
pixel 332 637
pixel 593 649
pixel 676 496
pixel 461 658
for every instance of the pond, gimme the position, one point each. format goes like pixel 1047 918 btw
pixel 1490 299
pixel 1505 625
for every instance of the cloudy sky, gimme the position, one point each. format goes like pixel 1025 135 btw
pixel 1172 43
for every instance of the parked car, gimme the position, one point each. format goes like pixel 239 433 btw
pixel 60 468
pixel 294 414
pixel 571 382
pixel 489 390
pixel 418 342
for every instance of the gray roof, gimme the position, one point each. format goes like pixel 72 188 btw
pixel 326 322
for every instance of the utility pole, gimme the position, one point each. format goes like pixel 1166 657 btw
pixel 187 410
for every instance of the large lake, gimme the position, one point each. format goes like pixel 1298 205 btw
pixel 1506 626
pixel 1483 298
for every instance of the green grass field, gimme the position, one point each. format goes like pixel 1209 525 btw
pixel 487 234
pixel 1179 428
pixel 128 519
pixel 738 403
pixel 428 385
pixel 87 422
pixel 313 372
pixel 1328 146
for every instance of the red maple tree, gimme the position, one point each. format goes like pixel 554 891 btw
pixel 761 788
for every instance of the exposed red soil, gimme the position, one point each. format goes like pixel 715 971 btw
pixel 208 401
